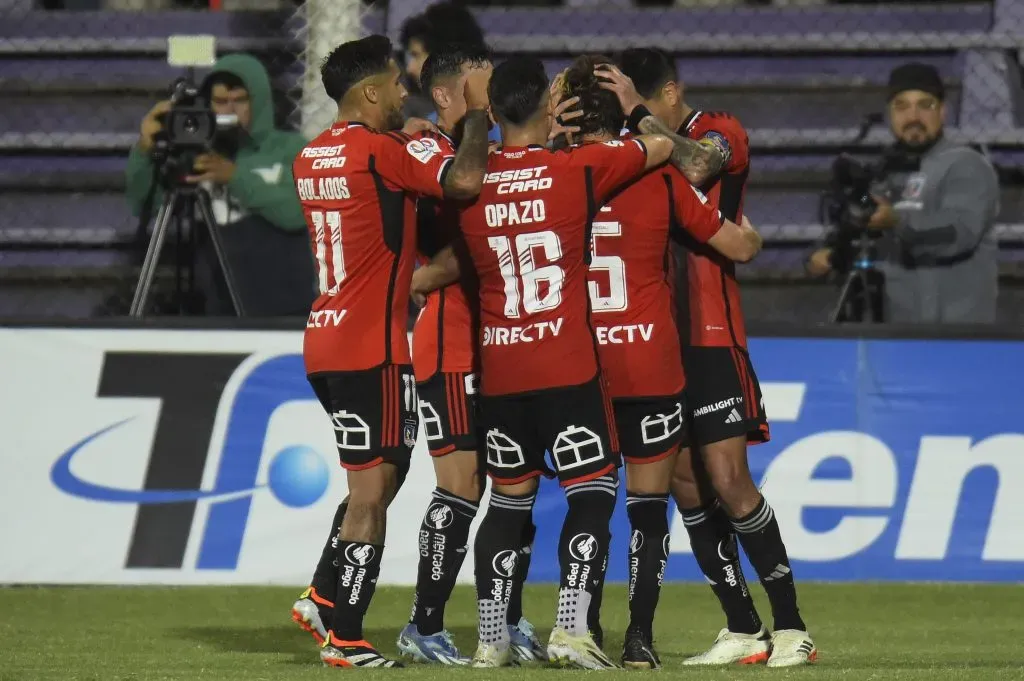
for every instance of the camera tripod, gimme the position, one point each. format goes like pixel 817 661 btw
pixel 179 206
pixel 863 290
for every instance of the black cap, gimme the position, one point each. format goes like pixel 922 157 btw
pixel 916 76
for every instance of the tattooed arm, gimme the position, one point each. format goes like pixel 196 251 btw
pixel 698 161
pixel 465 178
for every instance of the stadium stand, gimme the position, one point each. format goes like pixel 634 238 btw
pixel 76 84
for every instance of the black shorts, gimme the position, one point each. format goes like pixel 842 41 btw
pixel 448 412
pixel 723 396
pixel 650 428
pixel 373 413
pixel 573 423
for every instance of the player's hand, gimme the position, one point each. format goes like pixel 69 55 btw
pixel 560 114
pixel 745 223
pixel 884 217
pixel 477 80
pixel 212 168
pixel 820 262
pixel 415 125
pixel 614 80
pixel 418 288
pixel 152 124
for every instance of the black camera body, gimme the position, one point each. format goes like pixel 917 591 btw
pixel 191 128
pixel 848 204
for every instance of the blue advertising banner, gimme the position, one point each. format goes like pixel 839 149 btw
pixel 888 460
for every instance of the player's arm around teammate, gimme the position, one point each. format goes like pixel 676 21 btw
pixel 364 174
pixel 724 398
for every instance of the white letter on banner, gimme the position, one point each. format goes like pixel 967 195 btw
pixel 782 403
pixel 942 465
pixel 790 487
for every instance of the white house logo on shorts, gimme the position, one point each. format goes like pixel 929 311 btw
pixel 350 430
pixel 576 446
pixel 439 516
pixel 583 547
pixel 359 555
pixel 660 427
pixel 504 563
pixel 636 541
pixel 431 421
pixel 503 451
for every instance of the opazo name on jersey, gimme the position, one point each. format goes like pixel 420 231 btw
pixel 528 236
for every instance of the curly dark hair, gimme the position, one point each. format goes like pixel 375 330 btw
pixel 602 112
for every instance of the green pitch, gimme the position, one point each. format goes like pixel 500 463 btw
pixel 884 632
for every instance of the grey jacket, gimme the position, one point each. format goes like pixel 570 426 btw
pixel 940 260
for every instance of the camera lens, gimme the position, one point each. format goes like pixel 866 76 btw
pixel 191 124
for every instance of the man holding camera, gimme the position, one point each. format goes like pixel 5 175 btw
pixel 248 176
pixel 934 216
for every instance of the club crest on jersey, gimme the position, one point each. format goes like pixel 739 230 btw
pixel 718 141
pixel 423 149
pixel 409 433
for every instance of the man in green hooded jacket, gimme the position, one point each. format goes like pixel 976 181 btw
pixel 252 196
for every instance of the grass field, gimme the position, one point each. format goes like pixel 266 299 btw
pixel 891 632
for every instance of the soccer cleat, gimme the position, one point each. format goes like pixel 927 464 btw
pixel 436 648
pixel 306 613
pixel 337 653
pixel 792 648
pixel 566 650
pixel 638 652
pixel 526 647
pixel 733 648
pixel 492 656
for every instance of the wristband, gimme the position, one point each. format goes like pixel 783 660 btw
pixel 638 113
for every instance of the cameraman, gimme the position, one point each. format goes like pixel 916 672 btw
pixel 936 209
pixel 249 180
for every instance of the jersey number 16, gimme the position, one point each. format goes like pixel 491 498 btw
pixel 523 292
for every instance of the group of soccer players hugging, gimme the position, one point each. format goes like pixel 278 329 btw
pixel 573 268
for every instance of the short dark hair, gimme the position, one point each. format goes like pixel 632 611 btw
pixel 229 80
pixel 649 69
pixel 601 109
pixel 353 61
pixel 448 60
pixel 443 23
pixel 517 89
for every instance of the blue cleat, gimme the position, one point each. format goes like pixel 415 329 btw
pixel 433 649
pixel 526 647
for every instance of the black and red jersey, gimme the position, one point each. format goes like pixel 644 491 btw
pixel 358 188
pixel 631 281
pixel 528 236
pixel 716 317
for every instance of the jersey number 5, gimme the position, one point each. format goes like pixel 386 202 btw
pixel 327 228
pixel 523 292
pixel 617 298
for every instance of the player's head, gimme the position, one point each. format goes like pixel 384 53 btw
pixel 916 104
pixel 361 75
pixel 443 23
pixel 444 76
pixel 519 94
pixel 602 113
pixel 654 75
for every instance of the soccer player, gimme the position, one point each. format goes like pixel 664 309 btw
pixel 358 183
pixel 541 389
pixel 632 301
pixel 722 393
pixel 444 361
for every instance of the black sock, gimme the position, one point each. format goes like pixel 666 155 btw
pixel 358 569
pixel 496 555
pixel 648 555
pixel 759 534
pixel 325 577
pixel 444 532
pixel 714 546
pixel 583 550
pixel 515 602
pixel 596 598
